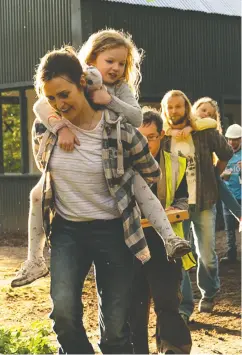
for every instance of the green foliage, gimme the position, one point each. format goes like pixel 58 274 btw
pixel 11 138
pixel 16 341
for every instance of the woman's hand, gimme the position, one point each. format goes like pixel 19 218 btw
pixel 100 97
pixel 67 139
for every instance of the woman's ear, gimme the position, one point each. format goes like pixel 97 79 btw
pixel 83 82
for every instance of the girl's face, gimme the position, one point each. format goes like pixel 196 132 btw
pixel 206 110
pixel 65 97
pixel 111 64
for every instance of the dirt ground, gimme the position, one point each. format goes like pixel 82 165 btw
pixel 218 333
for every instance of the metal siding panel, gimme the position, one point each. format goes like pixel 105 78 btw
pixel 224 7
pixel 28 29
pixel 14 202
pixel 194 52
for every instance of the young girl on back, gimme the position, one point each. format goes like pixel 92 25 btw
pixel 206 115
pixel 116 57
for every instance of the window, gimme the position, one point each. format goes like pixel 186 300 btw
pixel 10 161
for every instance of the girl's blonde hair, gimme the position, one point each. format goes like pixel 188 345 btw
pixel 214 104
pixel 164 102
pixel 109 39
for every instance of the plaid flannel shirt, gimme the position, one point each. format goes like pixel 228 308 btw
pixel 206 143
pixel 136 158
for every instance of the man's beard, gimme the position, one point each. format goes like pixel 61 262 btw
pixel 177 121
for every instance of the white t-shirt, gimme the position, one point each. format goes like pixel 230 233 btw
pixel 81 190
pixel 186 147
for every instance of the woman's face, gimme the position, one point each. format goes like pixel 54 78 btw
pixel 206 110
pixel 111 64
pixel 64 96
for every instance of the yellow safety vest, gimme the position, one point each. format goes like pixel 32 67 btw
pixel 175 167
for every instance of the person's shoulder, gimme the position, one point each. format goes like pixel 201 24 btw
pixel 209 132
pixel 122 86
pixel 131 134
pixel 129 129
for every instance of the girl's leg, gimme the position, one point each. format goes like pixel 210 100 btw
pixel 34 267
pixel 36 241
pixel 153 211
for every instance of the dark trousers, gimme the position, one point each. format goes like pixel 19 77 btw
pixel 74 246
pixel 160 279
pixel 230 228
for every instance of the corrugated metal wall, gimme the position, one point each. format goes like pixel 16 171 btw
pixel 14 202
pixel 196 52
pixel 28 29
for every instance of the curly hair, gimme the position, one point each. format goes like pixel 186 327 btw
pixel 109 39
pixel 214 104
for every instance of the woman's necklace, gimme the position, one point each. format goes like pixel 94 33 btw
pixel 90 126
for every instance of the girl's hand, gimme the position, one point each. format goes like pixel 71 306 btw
pixel 185 132
pixel 67 139
pixel 175 133
pixel 170 208
pixel 100 97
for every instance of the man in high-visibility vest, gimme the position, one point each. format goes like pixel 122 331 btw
pixel 159 277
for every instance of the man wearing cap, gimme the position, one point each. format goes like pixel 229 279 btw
pixel 232 178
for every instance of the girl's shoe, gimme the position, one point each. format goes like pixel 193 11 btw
pixel 30 271
pixel 176 247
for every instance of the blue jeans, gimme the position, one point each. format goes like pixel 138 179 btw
pixel 203 224
pixel 187 303
pixel 228 198
pixel 230 227
pixel 74 246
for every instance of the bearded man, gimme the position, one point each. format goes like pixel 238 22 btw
pixel 198 147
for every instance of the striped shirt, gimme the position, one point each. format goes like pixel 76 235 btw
pixel 81 190
pixel 136 156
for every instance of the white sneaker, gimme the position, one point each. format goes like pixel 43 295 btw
pixel 177 247
pixel 30 271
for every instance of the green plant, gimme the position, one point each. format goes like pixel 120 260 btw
pixel 11 138
pixel 37 341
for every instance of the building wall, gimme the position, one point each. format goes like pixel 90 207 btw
pixel 196 52
pixel 28 29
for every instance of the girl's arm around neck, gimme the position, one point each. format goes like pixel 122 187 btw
pixel 50 118
pixel 199 124
pixel 124 104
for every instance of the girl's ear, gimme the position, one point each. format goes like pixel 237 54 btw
pixel 83 82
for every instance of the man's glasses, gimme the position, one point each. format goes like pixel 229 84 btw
pixel 152 138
